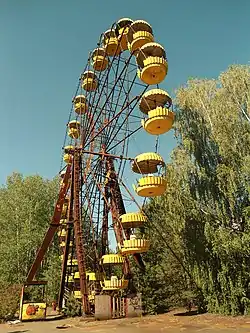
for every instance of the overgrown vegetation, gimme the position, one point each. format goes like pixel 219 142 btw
pixel 200 228
pixel 73 307
pixel 204 214
pixel 9 301
pixel 26 206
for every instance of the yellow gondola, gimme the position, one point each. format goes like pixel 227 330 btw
pixel 114 259
pixel 122 27
pixel 154 98
pixel 69 257
pixel 111 43
pixel 147 163
pixel 156 103
pixel 61 233
pixel 89 81
pixel 99 59
pixel 72 262
pixel 63 244
pixel 67 157
pixel 133 220
pixel 77 294
pixel 151 186
pixel 80 104
pixel 114 283
pixel 134 245
pixel 74 129
pixel 151 59
pixel 91 276
pixel 160 121
pixel 140 33
pixel 65 208
pixel 63 222
pixel 70 279
pixel 91 297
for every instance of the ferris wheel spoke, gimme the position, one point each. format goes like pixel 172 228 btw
pixel 86 180
pixel 89 216
pixel 127 136
pixel 116 70
pixel 127 94
pixel 117 79
pixel 91 192
pixel 126 117
pixel 91 212
pixel 111 120
pixel 106 208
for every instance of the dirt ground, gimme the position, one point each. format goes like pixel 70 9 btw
pixel 174 322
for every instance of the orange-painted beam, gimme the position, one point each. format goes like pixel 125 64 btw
pixel 53 226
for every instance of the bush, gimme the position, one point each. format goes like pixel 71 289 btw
pixel 73 307
pixel 9 301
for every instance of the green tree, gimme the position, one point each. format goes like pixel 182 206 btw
pixel 204 214
pixel 26 207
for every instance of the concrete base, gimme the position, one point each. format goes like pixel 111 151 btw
pixel 107 307
pixel 103 309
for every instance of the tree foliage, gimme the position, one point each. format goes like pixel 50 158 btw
pixel 26 207
pixel 204 214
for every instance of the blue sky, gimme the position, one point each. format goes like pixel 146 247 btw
pixel 44 46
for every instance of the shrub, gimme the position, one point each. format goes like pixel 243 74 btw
pixel 73 307
pixel 9 301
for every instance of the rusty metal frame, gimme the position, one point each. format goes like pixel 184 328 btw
pixel 80 250
pixel 67 243
pixel 117 209
pixel 52 228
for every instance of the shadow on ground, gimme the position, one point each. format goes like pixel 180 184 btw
pixel 187 313
pixel 22 331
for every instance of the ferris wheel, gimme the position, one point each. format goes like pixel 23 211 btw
pixel 118 95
